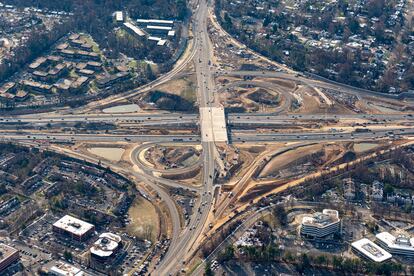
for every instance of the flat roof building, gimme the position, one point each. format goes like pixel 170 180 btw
pixel 106 246
pixel 321 224
pixel 62 46
pixel 119 16
pixel 158 28
pixel 8 256
pixel 21 95
pixel 93 65
pixel 154 38
pixel 400 245
pixel 37 63
pixel 370 251
pixel 155 21
pixel 80 84
pixel 134 29
pixel 107 80
pixel 161 42
pixel 74 36
pixel 36 86
pixel 8 87
pixel 75 228
pixel 65 269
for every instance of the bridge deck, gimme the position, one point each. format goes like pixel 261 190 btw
pixel 213 124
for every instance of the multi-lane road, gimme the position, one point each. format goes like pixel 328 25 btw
pixel 178 253
pixel 170 119
pixel 244 136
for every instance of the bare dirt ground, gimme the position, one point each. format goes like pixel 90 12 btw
pixel 285 159
pixel 144 220
pixel 165 157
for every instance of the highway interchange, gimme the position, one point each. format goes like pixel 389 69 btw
pixel 185 240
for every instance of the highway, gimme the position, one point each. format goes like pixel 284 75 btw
pixel 247 136
pixel 269 117
pixel 59 137
pixel 174 118
pixel 253 137
pixel 202 60
pixel 126 117
pixel 108 118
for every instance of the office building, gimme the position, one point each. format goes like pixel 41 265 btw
pixel 321 224
pixel 396 245
pixel 106 246
pixel 8 256
pixel 74 228
pixel 370 251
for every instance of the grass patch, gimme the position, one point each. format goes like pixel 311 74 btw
pixel 194 267
pixel 144 220
pixel 189 92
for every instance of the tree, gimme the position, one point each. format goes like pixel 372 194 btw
pixel 280 214
pixel 388 189
pixel 3 189
pixel 182 9
pixel 227 255
pixel 321 260
pixel 337 262
pixel 227 21
pixel 67 255
pixel 266 21
pixel 304 263
pixel 150 74
pixel 207 270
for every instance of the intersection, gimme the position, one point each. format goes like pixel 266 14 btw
pixel 212 127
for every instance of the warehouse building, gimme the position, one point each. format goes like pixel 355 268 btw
pixel 321 224
pixel 74 228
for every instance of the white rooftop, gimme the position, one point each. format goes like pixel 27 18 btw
pixel 106 245
pixel 327 217
pixel 171 33
pixel 154 38
pixel 65 269
pixel 73 225
pixel 155 21
pixel 161 28
pixel 161 42
pixel 119 16
pixel 371 250
pixel 398 243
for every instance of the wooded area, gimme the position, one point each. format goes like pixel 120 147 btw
pixel 95 17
